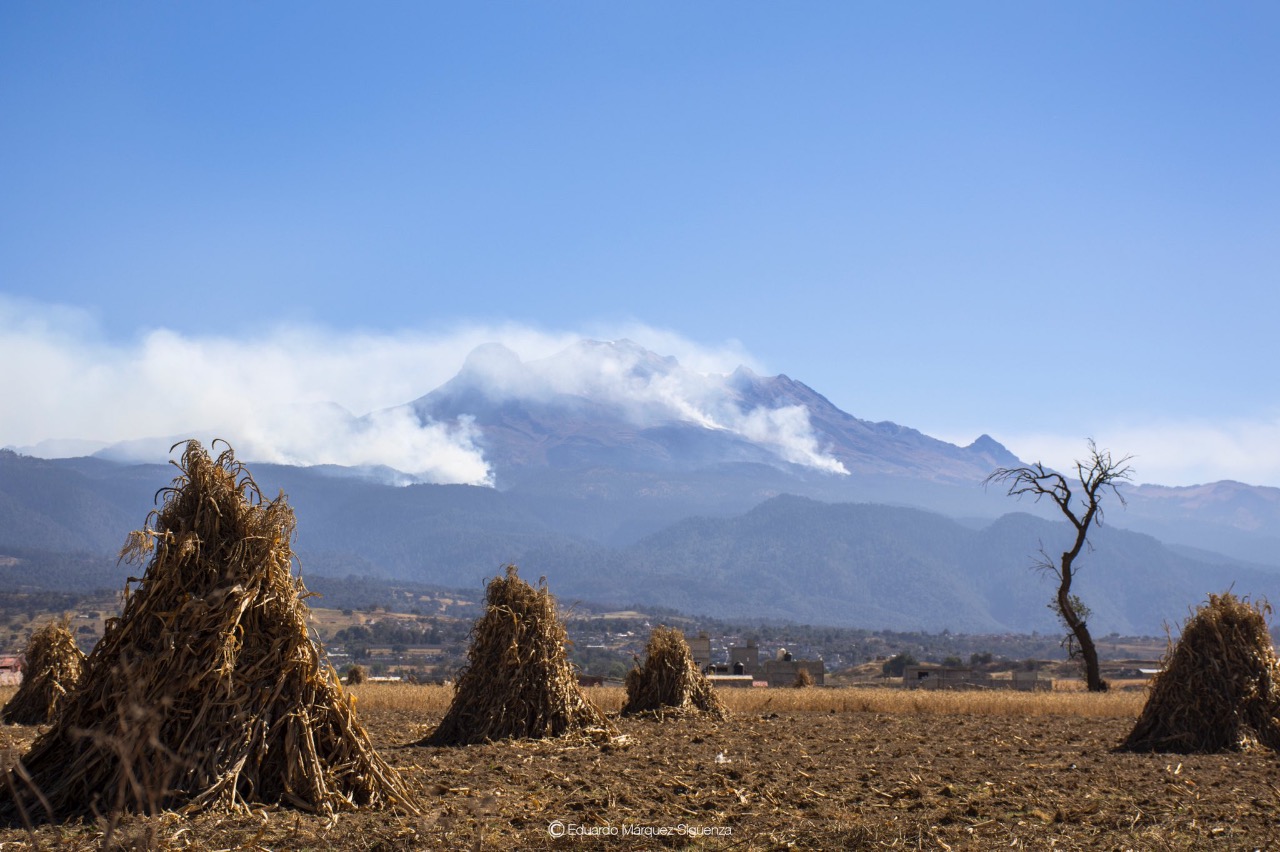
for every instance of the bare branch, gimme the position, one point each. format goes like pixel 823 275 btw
pixel 1102 472
pixel 1046 564
pixel 1037 482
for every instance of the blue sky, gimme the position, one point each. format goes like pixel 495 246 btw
pixel 1043 222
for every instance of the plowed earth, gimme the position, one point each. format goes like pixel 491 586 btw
pixel 805 780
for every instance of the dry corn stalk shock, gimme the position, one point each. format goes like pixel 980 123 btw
pixel 1219 689
pixel 670 680
pixel 51 668
pixel 207 691
pixel 518 682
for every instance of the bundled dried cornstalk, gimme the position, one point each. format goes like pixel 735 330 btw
pixel 51 668
pixel 670 679
pixel 518 682
pixel 207 692
pixel 803 680
pixel 1220 686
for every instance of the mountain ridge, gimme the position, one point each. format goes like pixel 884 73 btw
pixel 787 558
pixel 620 473
pixel 643 410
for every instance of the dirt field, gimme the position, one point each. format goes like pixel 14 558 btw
pixel 812 769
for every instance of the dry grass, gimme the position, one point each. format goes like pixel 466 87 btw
pixel 207 692
pixel 432 701
pixel 428 700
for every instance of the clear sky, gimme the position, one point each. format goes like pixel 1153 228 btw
pixel 1040 221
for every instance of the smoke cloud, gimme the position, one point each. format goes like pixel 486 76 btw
pixel 306 396
pixel 652 390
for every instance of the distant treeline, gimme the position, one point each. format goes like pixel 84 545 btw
pixel 34 571
pixel 38 582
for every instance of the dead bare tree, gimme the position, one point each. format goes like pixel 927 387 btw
pixel 1096 474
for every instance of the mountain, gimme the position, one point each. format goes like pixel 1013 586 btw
pixel 786 558
pixel 1237 519
pixel 615 421
pixel 623 476
pixel 622 406
pixel 72 505
pixel 905 569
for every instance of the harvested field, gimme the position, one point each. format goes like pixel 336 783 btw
pixel 807 769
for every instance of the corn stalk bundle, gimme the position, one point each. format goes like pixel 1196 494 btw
pixel 670 679
pixel 803 680
pixel 207 691
pixel 1220 686
pixel 51 669
pixel 518 682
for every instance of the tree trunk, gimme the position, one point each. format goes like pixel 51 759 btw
pixel 1079 629
pixel 1092 676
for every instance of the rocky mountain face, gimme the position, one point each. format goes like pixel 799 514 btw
pixel 621 406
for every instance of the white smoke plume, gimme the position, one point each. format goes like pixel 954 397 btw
pixel 788 430
pixel 651 390
pixel 292 395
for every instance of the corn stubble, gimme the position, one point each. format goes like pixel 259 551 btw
pixel 207 692
pixel 518 682
pixel 669 679
pixel 51 669
pixel 1220 686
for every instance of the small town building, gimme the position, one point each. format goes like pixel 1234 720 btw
pixel 10 671
pixel 745 668
pixel 930 676
pixel 700 650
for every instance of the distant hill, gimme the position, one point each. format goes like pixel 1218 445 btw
pixel 73 504
pixel 1230 517
pixel 787 558
pixel 627 477
pixel 906 569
